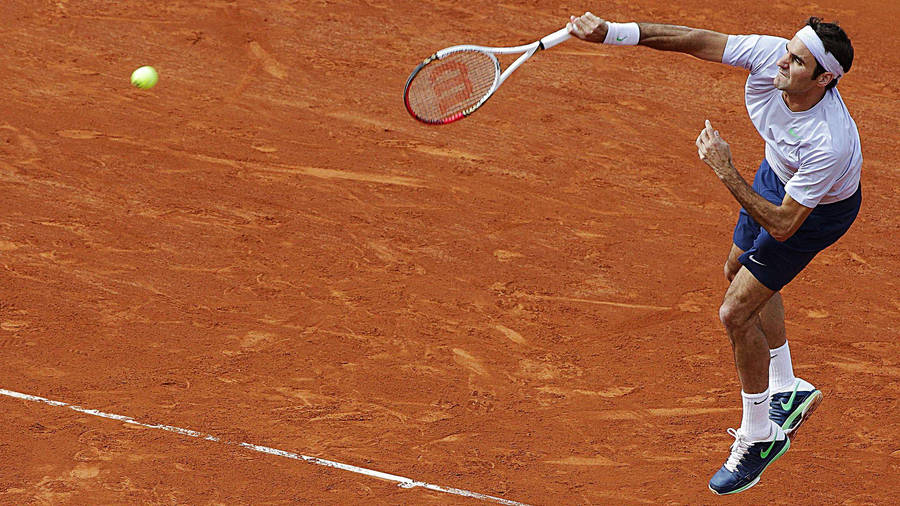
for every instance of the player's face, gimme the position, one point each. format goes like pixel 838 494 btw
pixel 795 68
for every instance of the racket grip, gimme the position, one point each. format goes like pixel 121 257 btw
pixel 555 38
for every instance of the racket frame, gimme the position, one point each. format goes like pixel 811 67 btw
pixel 527 51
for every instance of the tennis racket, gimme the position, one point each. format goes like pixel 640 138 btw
pixel 454 82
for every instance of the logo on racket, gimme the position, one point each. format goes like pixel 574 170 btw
pixel 451 85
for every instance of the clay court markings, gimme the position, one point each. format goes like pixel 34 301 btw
pixel 595 302
pixel 326 173
pixel 401 481
pixel 316 172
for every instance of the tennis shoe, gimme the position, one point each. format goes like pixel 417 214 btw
pixel 748 460
pixel 789 409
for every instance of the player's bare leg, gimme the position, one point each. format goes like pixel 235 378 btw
pixel 772 321
pixel 772 313
pixel 739 312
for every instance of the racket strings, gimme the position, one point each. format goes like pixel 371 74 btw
pixel 451 85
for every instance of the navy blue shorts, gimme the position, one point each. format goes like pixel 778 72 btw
pixel 776 263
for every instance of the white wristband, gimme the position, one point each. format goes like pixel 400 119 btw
pixel 622 34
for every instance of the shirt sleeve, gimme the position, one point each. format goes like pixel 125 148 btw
pixel 755 53
pixel 816 176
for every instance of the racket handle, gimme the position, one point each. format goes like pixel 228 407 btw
pixel 555 38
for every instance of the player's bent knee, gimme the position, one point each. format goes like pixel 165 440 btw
pixel 732 316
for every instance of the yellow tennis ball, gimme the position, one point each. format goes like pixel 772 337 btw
pixel 145 77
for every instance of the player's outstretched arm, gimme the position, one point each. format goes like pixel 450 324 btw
pixel 704 44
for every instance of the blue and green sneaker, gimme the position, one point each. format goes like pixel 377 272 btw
pixel 791 408
pixel 747 461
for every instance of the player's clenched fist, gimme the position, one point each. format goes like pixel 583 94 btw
pixel 713 150
pixel 587 27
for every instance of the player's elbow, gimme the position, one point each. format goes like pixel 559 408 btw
pixel 788 221
pixel 784 232
pixel 781 235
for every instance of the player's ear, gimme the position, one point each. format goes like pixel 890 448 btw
pixel 824 78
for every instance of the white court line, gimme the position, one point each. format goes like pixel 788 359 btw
pixel 401 481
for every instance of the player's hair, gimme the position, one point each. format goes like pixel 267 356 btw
pixel 836 42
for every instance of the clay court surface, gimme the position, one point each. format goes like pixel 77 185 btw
pixel 265 248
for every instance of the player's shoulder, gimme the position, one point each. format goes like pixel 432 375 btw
pixel 757 41
pixel 753 52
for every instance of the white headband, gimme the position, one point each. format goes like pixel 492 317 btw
pixel 812 41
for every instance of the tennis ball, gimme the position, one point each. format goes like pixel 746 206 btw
pixel 145 77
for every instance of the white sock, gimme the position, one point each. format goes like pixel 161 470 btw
pixel 781 372
pixel 755 420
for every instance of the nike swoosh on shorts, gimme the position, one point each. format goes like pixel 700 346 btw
pixel 756 261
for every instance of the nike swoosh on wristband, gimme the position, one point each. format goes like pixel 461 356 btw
pixel 765 453
pixel 620 39
pixel 756 261
pixel 790 402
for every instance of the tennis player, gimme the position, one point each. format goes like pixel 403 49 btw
pixel 805 196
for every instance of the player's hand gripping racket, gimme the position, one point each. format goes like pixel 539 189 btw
pixel 452 83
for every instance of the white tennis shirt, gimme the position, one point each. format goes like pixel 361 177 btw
pixel 815 153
